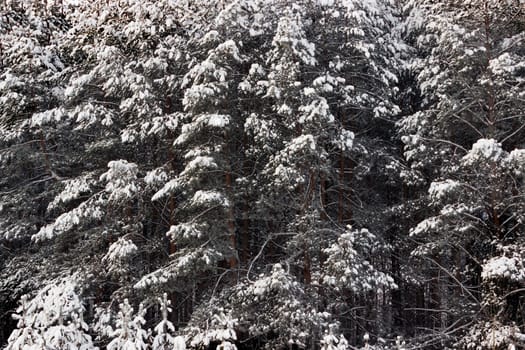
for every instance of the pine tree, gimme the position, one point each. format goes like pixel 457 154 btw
pixel 51 320
pixel 204 236
pixel 164 339
pixel 462 141
pixel 292 174
pixel 25 336
pixel 129 333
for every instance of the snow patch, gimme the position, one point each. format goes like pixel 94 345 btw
pixel 484 150
pixel 503 268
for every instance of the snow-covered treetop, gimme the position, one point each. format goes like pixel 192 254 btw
pixel 484 150
pixel 120 180
pixel 164 339
pixel 441 190
pixel 53 318
pixel 331 341
pixel 55 303
pixel 73 189
pixel 118 255
pixel 290 36
pixel 347 266
pixel 504 268
pixel 221 330
pixel 129 333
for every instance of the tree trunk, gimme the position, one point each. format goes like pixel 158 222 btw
pixel 307 263
pixel 340 208
pixel 232 262
pixel 245 237
pixel 323 216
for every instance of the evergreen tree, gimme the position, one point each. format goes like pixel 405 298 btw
pixel 288 174
pixel 52 320
pixel 164 339
pixel 461 143
pixel 129 333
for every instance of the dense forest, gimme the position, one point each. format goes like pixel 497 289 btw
pixel 262 174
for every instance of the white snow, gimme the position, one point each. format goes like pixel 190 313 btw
pixel 206 197
pixel 506 64
pixel 68 220
pixel 301 143
pixel 440 190
pixel 484 150
pixel 215 120
pixel 121 180
pixel 199 163
pixel 317 112
pixel 503 267
pixel 425 226
pixel 73 189
pixel 168 188
pixel 120 250
pixel 155 177
pixel 346 140
pixel 47 117
pixel 185 230
pixel 516 160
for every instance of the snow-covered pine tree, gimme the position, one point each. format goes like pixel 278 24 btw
pixel 30 83
pixel 282 114
pixel 129 333
pixel 164 330
pixel 331 341
pixel 31 71
pixel 53 320
pixel 272 311
pixel 205 234
pixel 220 332
pixel 111 102
pixel 462 140
pixel 25 336
pixel 293 137
pixel 298 162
